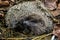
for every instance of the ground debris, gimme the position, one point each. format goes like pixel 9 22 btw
pixel 3 10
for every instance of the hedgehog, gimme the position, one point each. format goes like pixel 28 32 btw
pixel 29 17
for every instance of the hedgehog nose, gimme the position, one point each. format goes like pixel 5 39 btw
pixel 28 23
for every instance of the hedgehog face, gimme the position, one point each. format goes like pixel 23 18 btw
pixel 30 24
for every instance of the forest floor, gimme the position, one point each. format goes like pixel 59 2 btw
pixel 3 10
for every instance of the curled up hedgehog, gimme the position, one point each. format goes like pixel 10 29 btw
pixel 29 17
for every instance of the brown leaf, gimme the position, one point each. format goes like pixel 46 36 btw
pixel 51 4
pixel 59 6
pixel 4 3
